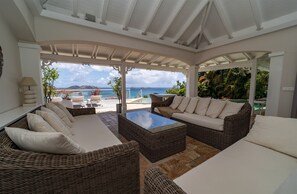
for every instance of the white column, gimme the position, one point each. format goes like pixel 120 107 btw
pixel 123 75
pixel 253 83
pixel 274 83
pixel 192 81
pixel 31 66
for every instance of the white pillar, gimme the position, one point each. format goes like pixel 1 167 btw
pixel 192 81
pixel 31 66
pixel 274 83
pixel 253 83
pixel 123 75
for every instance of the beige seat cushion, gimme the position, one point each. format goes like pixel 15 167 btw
pixel 55 122
pixel 242 168
pixel 92 134
pixel 60 113
pixel 167 111
pixel 64 109
pixel 276 133
pixel 192 105
pixel 38 124
pixel 47 142
pixel 202 106
pixel 215 108
pixel 231 108
pixel 184 103
pixel 176 101
pixel 204 121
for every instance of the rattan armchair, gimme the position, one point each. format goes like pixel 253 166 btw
pixel 112 170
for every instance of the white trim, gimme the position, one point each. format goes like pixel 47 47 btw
pixel 242 64
pixel 29 45
pixel 104 62
pixel 75 8
pixel 189 21
pixel 276 54
pixel 204 20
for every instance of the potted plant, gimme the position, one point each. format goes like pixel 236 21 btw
pixel 116 85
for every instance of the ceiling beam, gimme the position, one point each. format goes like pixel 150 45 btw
pixel 93 51
pixel 228 59
pixel 207 37
pixel 103 62
pixel 172 17
pixel 52 50
pixel 151 16
pixel 73 53
pixel 194 35
pixel 256 14
pixel 56 50
pixel 189 21
pixel 154 59
pixel 111 54
pixel 97 50
pixel 75 8
pixel 104 12
pixel 127 55
pixel 140 58
pixel 247 56
pixel 204 20
pixel 223 15
pixel 77 50
pixel 129 13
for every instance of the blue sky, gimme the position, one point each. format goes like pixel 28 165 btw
pixel 77 74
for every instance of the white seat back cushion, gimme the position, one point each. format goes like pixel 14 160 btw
pixel 202 106
pixel 176 101
pixel 231 108
pixel 215 108
pixel 238 167
pixel 38 124
pixel 64 109
pixel 47 142
pixel 192 105
pixel 184 103
pixel 60 113
pixel 55 122
pixel 276 133
pixel 203 121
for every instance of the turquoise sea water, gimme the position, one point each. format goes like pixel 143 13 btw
pixel 108 93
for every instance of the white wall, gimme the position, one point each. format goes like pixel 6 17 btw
pixel 283 40
pixel 9 90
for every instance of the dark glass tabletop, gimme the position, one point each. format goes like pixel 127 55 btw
pixel 151 122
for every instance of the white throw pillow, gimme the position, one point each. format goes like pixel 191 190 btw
pixel 192 105
pixel 54 121
pixel 276 133
pixel 202 106
pixel 60 113
pixel 215 108
pixel 36 123
pixel 64 109
pixel 184 103
pixel 47 142
pixel 176 101
pixel 231 108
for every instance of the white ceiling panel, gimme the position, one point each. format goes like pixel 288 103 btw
pixel 214 24
pixel 272 9
pixel 116 10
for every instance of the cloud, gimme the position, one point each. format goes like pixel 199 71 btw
pixel 77 74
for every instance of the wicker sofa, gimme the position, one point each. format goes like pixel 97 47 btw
pixel 264 162
pixel 234 127
pixel 113 169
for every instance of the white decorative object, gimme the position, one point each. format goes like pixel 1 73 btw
pixel 29 95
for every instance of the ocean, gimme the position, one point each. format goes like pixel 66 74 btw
pixel 108 93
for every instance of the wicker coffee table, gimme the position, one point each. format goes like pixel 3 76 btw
pixel 158 137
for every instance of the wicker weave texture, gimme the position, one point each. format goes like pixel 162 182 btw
pixel 155 182
pixel 235 127
pixel 112 170
pixel 155 146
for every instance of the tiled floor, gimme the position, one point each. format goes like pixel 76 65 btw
pixel 174 166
